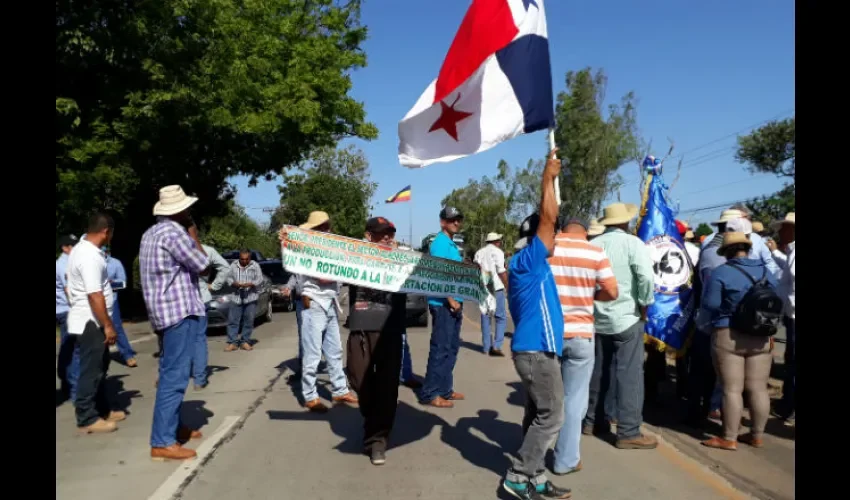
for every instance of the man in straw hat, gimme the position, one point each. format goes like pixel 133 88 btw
pixel 320 330
pixel 170 260
pixel 537 344
pixel 788 291
pixel 619 331
pixel 595 229
pixel 491 259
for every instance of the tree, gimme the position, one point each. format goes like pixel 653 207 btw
pixel 770 149
pixel 703 230
pixel 192 92
pixel 237 230
pixel 592 146
pixel 335 181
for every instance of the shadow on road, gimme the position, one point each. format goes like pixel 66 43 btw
pixel 121 398
pixel 194 414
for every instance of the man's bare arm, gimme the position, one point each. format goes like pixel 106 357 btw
pixel 548 205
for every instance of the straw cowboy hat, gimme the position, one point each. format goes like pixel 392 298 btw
pixel 172 200
pixel 595 228
pixel 491 237
pixel 734 239
pixel 618 213
pixel 728 215
pixel 758 227
pixel 315 219
pixel 689 234
pixel 789 219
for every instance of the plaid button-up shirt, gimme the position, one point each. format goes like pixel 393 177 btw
pixel 169 263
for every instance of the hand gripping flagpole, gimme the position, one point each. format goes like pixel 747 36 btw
pixel 557 179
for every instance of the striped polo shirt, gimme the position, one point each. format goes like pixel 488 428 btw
pixel 579 266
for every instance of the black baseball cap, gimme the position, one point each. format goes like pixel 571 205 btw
pixel 68 240
pixel 379 225
pixel 451 213
pixel 527 229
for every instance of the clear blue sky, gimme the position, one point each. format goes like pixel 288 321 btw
pixel 701 71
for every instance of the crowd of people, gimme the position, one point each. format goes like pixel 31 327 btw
pixel 577 290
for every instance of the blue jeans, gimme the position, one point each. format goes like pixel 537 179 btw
pixel 299 312
pixel 576 369
pixel 501 316
pixel 442 355
pixel 68 364
pixel 123 343
pixel 178 342
pixel 619 356
pixel 241 315
pixel 200 353
pixel 701 377
pixel 789 385
pixel 406 361
pixel 320 334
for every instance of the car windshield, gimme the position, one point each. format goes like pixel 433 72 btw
pixel 275 271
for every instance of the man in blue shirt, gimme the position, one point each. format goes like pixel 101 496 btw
pixel 537 343
pixel 118 280
pixel 68 365
pixel 446 320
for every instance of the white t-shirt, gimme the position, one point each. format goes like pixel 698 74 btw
pixel 86 273
pixel 492 261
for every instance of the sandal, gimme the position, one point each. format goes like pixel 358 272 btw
pixel 720 444
pixel 439 402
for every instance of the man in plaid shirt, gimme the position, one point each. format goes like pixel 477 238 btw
pixel 170 259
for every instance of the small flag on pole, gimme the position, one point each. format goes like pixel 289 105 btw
pixel 403 195
pixel 495 84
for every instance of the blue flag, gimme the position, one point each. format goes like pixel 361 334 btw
pixel 670 318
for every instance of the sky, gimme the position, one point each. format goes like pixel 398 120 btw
pixel 702 73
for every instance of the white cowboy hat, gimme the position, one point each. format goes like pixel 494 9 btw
pixel 790 218
pixel 595 228
pixel 491 237
pixel 172 200
pixel 618 213
pixel 758 227
pixel 315 219
pixel 728 215
pixel 739 225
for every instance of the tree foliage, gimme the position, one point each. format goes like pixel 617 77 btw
pixel 237 230
pixel 335 181
pixel 703 230
pixel 774 207
pixel 497 204
pixel 193 92
pixel 592 143
pixel 770 149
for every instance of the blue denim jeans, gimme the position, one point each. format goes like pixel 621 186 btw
pixel 701 377
pixel 620 356
pixel 406 361
pixel 320 335
pixel 501 317
pixel 68 363
pixel 175 363
pixel 200 353
pixel 442 355
pixel 299 311
pixel 241 316
pixel 123 343
pixel 576 369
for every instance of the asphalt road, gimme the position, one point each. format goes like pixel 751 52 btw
pixel 259 443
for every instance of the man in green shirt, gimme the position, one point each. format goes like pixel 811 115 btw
pixel 619 333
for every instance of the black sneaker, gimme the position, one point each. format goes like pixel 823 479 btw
pixel 552 491
pixel 379 456
pixel 523 491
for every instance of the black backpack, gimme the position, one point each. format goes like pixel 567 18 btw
pixel 760 311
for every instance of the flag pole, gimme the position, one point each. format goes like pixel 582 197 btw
pixel 411 219
pixel 557 179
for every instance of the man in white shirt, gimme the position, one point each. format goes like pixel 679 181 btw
pixel 491 260
pixel 788 291
pixel 89 318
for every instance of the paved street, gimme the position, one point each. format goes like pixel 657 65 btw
pixel 259 443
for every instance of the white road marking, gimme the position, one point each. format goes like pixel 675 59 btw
pixel 147 337
pixel 172 485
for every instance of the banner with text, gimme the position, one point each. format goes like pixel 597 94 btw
pixel 358 262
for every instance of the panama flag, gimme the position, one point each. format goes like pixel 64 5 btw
pixel 495 84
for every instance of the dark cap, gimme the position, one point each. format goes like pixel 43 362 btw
pixel 450 213
pixel 581 221
pixel 379 225
pixel 68 240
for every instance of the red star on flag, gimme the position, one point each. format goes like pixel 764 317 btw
pixel 449 117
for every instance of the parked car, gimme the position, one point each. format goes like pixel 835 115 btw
pixel 273 268
pixel 417 310
pixel 218 310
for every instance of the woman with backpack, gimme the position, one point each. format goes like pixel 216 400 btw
pixel 745 310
